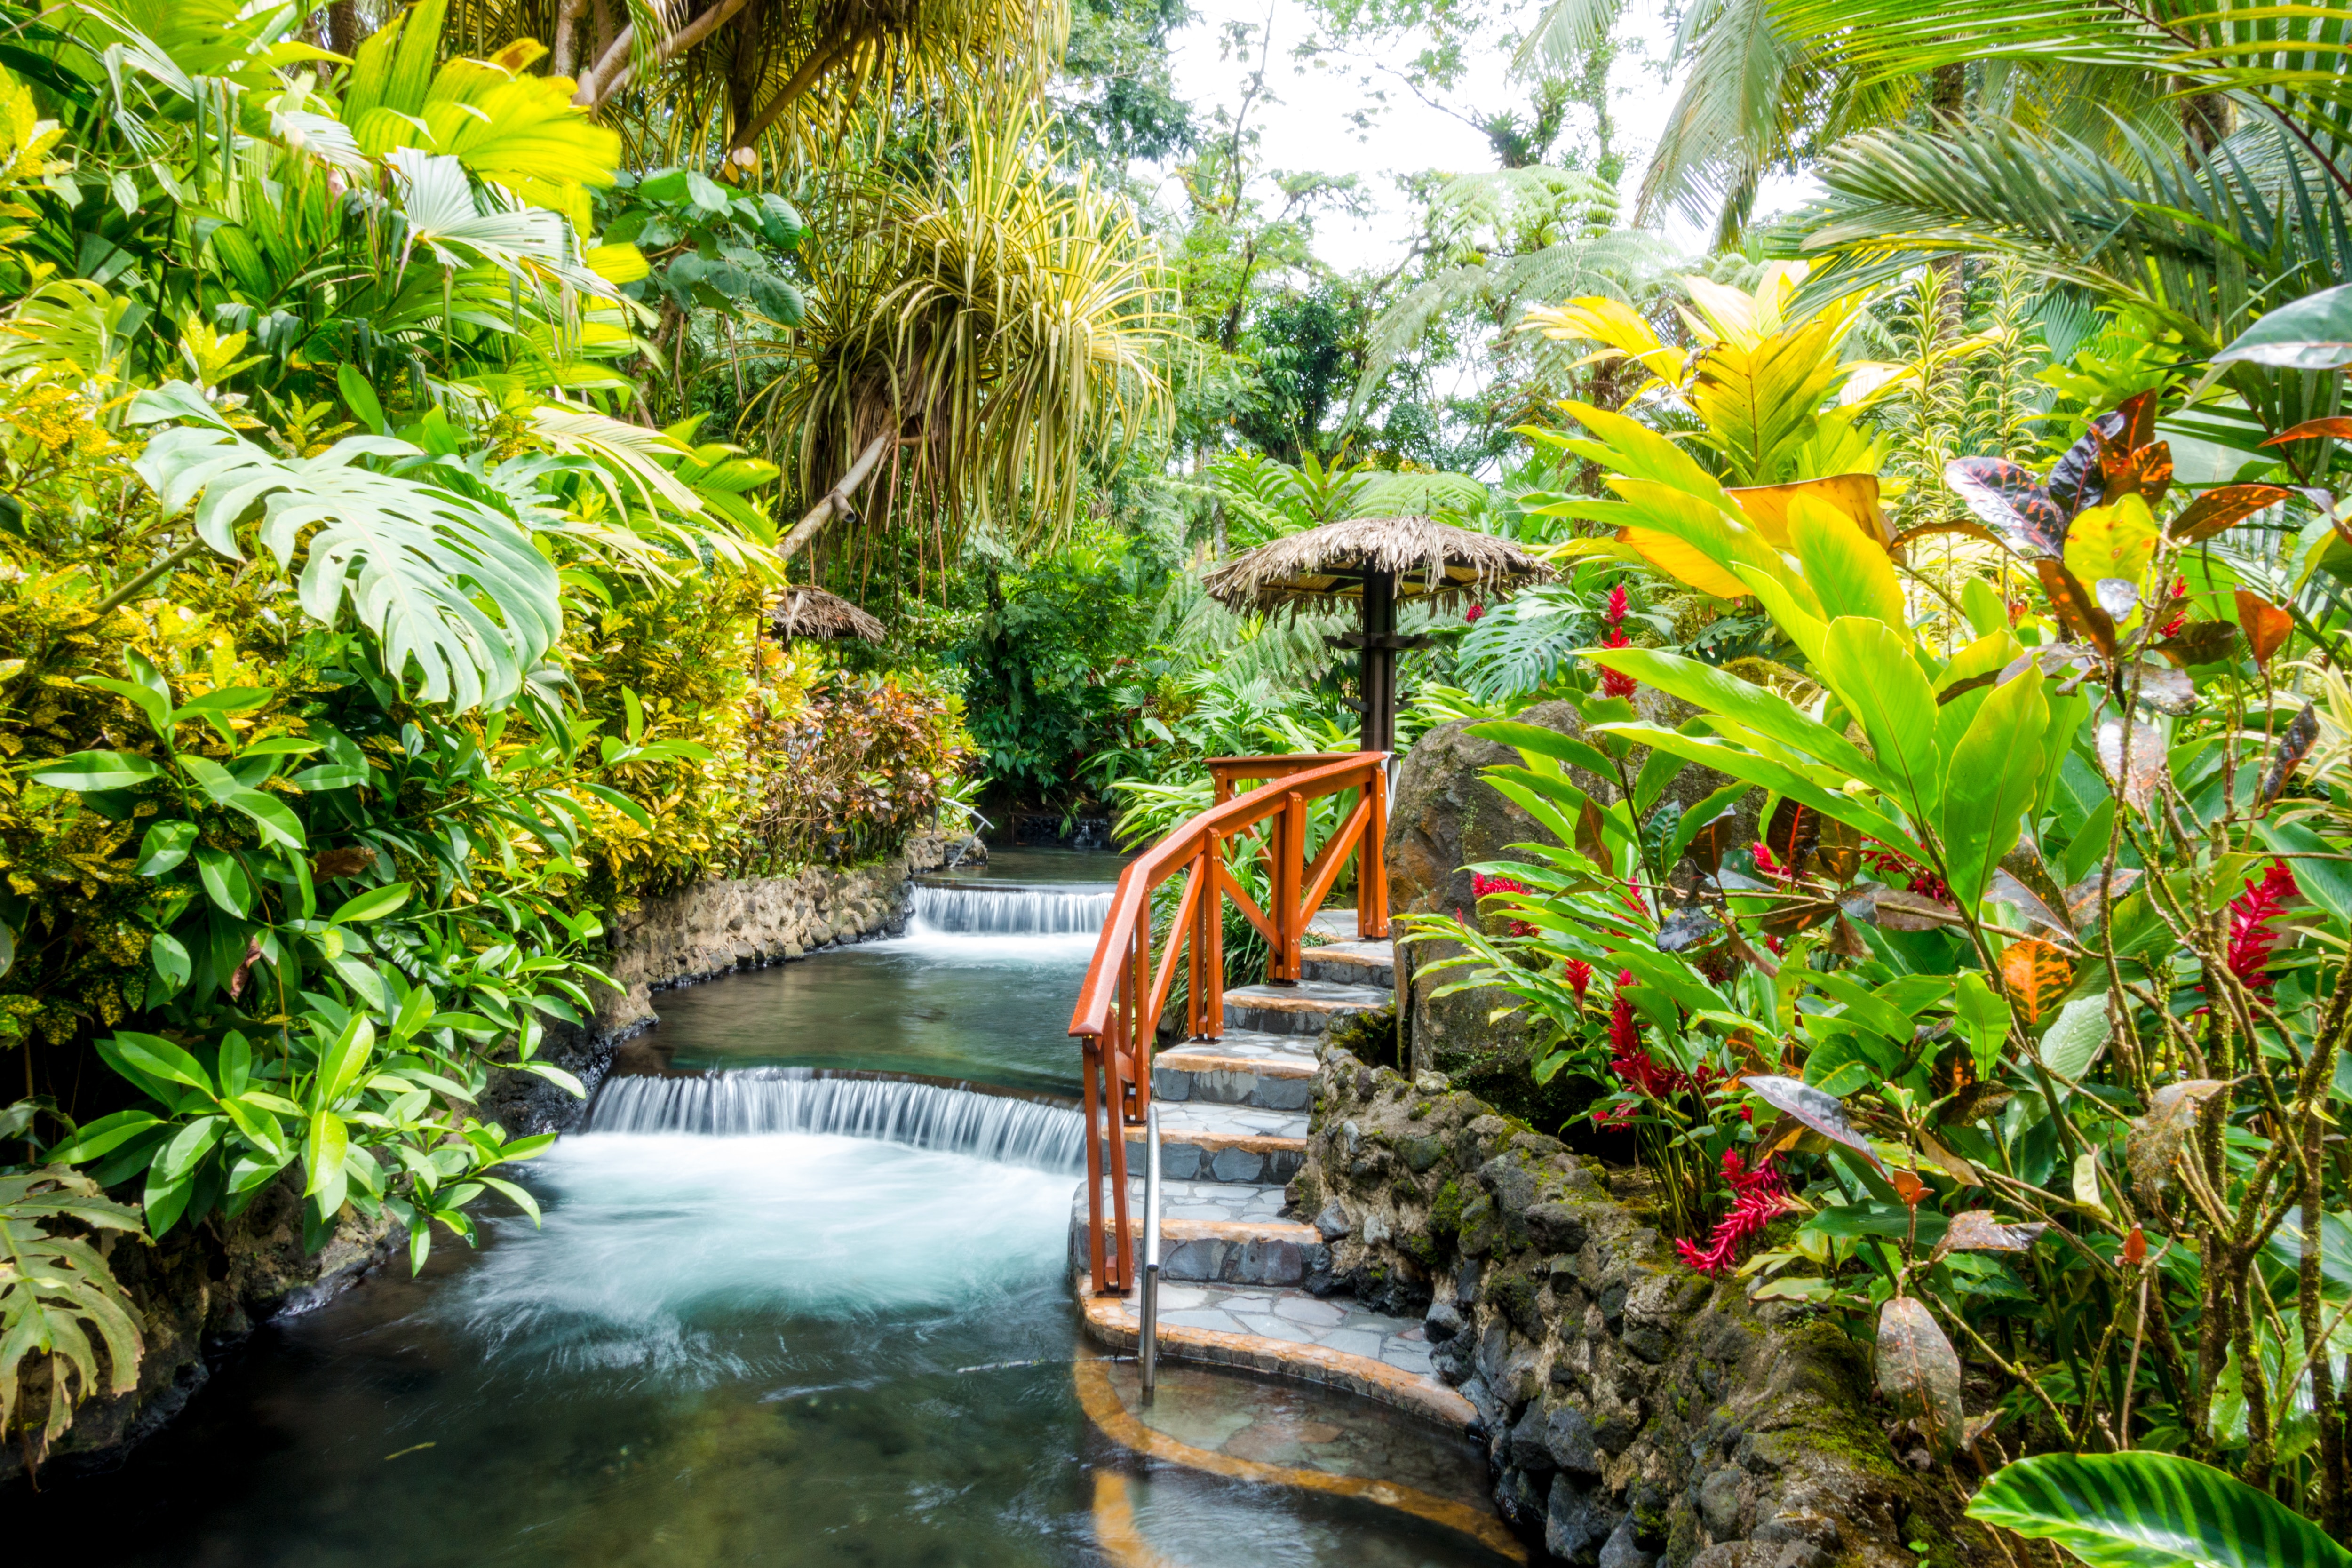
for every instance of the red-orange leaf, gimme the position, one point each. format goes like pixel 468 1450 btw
pixel 2336 425
pixel 1907 1186
pixel 2223 507
pixel 2265 624
pixel 2135 1247
pixel 2035 974
pixel 2075 603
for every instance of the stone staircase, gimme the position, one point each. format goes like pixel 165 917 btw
pixel 1243 1284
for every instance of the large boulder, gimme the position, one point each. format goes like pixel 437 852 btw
pixel 1444 818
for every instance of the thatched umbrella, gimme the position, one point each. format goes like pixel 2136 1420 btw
pixel 1375 562
pixel 813 613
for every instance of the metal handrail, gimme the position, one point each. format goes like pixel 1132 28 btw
pixel 1147 1343
pixel 1119 1003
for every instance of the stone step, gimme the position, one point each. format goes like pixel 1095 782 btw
pixel 1209 1427
pixel 1309 1007
pixel 1352 963
pixel 1273 1072
pixel 1212 1231
pixel 1339 925
pixel 1287 1332
pixel 1239 1144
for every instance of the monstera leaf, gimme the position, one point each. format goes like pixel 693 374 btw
pixel 2150 1511
pixel 445 582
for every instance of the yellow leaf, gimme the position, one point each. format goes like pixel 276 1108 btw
pixel 2116 541
pixel 1684 562
pixel 1854 496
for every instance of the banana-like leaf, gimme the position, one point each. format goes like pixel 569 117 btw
pixel 2150 1511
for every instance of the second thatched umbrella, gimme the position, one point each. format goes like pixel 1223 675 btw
pixel 813 613
pixel 1375 562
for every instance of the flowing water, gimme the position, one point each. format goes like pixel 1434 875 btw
pixel 772 1316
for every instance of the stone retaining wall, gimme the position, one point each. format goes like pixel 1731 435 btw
pixel 709 930
pixel 1637 1415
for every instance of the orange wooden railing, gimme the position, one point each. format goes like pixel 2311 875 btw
pixel 1126 988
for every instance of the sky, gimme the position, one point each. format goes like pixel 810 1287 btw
pixel 1308 130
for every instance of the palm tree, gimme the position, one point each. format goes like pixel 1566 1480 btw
pixel 693 80
pixel 991 328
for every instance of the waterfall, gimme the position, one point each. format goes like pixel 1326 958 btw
pixel 1006 1128
pixel 1000 910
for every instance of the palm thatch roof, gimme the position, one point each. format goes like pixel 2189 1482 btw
pixel 1430 559
pixel 813 613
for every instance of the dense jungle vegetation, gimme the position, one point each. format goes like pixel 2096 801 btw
pixel 411 415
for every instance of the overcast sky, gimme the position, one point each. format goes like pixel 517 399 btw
pixel 1308 129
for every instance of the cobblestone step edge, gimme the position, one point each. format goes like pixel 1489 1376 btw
pixel 1107 1325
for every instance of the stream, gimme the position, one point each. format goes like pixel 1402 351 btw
pixel 773 1317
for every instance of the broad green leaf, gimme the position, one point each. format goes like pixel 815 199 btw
pixel 157 706
pixel 1984 1015
pixel 372 905
pixel 1872 671
pixel 1778 779
pixel 188 1147
pixel 99 1137
pixel 1995 772
pixel 343 1063
pixel 88 771
pixel 520 1194
pixel 278 826
pixel 164 844
pixel 1766 712
pixel 323 1147
pixel 171 960
pixel 1852 574
pixel 2150 1511
pixel 2314 333
pixel 223 879
pixel 155 1057
pixel 2076 1037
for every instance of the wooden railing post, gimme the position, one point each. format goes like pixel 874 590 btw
pixel 1113 1130
pixel 1290 862
pixel 1372 863
pixel 1093 1070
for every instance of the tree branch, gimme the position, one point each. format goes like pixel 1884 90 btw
pixel 835 501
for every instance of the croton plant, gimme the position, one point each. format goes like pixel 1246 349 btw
pixel 1996 1001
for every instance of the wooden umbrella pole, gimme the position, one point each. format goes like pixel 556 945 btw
pixel 1376 666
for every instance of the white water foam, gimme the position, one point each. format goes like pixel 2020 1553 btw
pixel 656 1247
pixel 753 1102
pixel 1069 910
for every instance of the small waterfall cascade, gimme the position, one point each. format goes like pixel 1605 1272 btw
pixel 1003 1128
pixel 1009 910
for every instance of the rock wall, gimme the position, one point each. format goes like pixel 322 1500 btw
pixel 1636 1415
pixel 709 930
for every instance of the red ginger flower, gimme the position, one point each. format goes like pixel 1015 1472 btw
pixel 1766 865
pixel 1473 612
pixel 1613 682
pixel 2180 592
pixel 2252 934
pixel 1481 885
pixel 1758 1198
pixel 1580 977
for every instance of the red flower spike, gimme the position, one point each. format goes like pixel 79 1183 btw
pixel 1758 1198
pixel 1481 884
pixel 1473 612
pixel 2252 935
pixel 1580 977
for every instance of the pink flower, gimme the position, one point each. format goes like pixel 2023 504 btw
pixel 1483 885
pixel 1613 682
pixel 1758 1198
pixel 1768 866
pixel 2252 934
